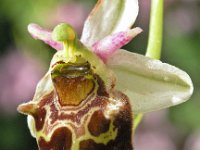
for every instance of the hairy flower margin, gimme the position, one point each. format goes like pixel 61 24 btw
pixel 150 84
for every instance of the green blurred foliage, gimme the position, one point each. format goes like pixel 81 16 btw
pixel 15 16
pixel 15 134
pixel 185 52
pixel 182 48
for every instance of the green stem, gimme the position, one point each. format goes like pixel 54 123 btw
pixel 155 39
pixel 137 120
pixel 155 30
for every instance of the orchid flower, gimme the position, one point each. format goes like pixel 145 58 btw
pixel 93 88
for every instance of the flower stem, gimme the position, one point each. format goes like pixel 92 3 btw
pixel 137 120
pixel 154 40
pixel 155 30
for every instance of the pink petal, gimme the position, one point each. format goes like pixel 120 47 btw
pixel 108 45
pixel 39 33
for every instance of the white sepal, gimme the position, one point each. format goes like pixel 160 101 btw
pixel 150 84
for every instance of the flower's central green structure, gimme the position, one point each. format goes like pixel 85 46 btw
pixel 88 98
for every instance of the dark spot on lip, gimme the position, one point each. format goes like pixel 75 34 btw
pixel 39 117
pixel 123 125
pixel 60 140
pixel 98 123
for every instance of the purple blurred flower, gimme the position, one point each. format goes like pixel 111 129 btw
pixel 185 18
pixel 193 142
pixel 18 77
pixel 73 13
pixel 155 132
pixel 154 141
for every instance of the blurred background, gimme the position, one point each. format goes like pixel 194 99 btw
pixel 23 61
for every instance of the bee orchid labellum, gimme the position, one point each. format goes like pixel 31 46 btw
pixel 88 97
